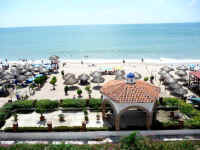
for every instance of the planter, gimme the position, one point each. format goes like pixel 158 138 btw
pixel 86 119
pixel 83 127
pixel 98 117
pixel 180 124
pixel 61 117
pixel 15 126
pixel 49 124
pixel 42 118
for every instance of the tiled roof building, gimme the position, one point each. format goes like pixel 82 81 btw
pixel 124 96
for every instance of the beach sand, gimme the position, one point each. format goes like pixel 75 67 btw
pixel 145 69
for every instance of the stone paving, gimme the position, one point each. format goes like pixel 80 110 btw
pixel 91 136
pixel 71 119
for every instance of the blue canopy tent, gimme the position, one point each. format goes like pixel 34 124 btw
pixel 195 100
pixel 30 80
pixel 38 75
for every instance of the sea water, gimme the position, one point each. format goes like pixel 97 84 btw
pixel 112 42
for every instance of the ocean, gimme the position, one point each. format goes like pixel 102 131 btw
pixel 132 41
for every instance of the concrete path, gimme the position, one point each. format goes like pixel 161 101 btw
pixel 49 136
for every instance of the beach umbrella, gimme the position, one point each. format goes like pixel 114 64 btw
pixel 120 73
pixel 30 68
pixel 137 75
pixel 21 78
pixel 173 86
pixel 98 79
pixel 36 69
pixel 22 71
pixel 166 68
pixel 71 80
pixel 19 67
pixel 179 92
pixel 181 73
pixel 182 68
pixel 96 74
pixel 182 79
pixel 84 77
pixel 28 74
pixel 169 81
pixel 54 57
pixel 162 72
pixel 43 70
pixel 165 76
pixel 8 77
pixel 14 71
pixel 68 75
pixel 120 77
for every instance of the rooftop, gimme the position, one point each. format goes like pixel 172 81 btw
pixel 140 92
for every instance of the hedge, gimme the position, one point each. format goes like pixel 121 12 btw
pixel 187 109
pixel 56 129
pixel 46 104
pixel 77 103
pixel 95 103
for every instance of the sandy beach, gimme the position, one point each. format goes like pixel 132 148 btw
pixel 46 92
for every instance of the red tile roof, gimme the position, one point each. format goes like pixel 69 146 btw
pixel 196 74
pixel 122 92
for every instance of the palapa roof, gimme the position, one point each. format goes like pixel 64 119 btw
pixel 122 92
pixel 196 74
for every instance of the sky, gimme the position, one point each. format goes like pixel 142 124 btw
pixel 15 13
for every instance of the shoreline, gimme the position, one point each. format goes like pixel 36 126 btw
pixel 162 61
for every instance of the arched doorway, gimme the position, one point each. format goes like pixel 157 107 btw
pixel 133 116
pixel 109 112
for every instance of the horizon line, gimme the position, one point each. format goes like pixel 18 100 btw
pixel 99 24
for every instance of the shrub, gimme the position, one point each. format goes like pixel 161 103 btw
pixel 27 129
pixel 27 104
pixel 62 73
pixel 66 89
pixel 79 92
pixel 56 129
pixel 41 80
pixel 53 81
pixel 171 101
pixel 77 103
pixel 2 115
pixel 95 103
pixel 87 88
pixel 146 78
pixel 47 104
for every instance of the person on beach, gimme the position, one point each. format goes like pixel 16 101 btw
pixel 142 60
pixel 123 61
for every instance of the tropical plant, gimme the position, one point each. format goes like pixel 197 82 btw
pixel 146 78
pixel 41 111
pixel 66 89
pixel 61 117
pixel 79 92
pixel 53 82
pixel 62 72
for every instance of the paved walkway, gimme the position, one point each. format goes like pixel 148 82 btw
pixel 49 136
